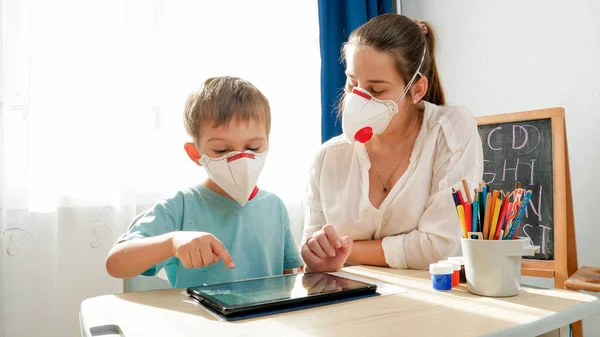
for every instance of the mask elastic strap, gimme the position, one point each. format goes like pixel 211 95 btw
pixel 418 72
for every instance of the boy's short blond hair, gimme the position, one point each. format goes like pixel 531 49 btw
pixel 222 99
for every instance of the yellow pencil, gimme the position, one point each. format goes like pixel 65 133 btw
pixel 497 206
pixel 489 203
pixel 463 223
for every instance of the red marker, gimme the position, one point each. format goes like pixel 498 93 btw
pixel 468 211
pixel 501 218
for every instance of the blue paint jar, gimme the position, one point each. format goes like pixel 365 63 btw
pixel 441 276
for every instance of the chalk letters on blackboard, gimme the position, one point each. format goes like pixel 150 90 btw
pixel 523 152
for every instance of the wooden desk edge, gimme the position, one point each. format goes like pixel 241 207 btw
pixel 538 327
pixel 588 306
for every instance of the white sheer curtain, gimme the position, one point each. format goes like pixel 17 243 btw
pixel 91 131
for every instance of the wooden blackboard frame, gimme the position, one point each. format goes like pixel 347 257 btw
pixel 565 248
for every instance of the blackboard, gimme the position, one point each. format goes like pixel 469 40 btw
pixel 522 151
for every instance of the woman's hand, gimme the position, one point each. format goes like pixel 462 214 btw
pixel 325 250
pixel 317 283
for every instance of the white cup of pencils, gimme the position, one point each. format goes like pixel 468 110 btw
pixel 491 248
pixel 495 214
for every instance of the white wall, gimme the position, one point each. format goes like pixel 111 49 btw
pixel 513 55
pixel 1 195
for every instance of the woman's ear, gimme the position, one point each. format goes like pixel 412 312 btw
pixel 419 89
pixel 192 152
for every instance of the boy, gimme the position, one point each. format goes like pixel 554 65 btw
pixel 224 229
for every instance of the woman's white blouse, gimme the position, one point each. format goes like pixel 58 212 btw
pixel 417 220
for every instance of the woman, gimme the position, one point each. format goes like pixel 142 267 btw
pixel 380 194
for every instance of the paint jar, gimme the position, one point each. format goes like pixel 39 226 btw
pixel 456 273
pixel 441 276
pixel 461 260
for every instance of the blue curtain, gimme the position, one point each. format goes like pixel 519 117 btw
pixel 337 19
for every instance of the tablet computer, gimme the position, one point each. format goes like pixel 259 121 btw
pixel 278 292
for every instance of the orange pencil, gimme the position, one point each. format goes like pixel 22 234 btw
pixel 491 203
pixel 496 213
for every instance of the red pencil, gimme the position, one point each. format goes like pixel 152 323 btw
pixel 468 210
pixel 508 214
pixel 516 232
pixel 460 198
pixel 502 216
pixel 468 216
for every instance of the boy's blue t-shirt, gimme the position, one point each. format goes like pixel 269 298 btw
pixel 257 235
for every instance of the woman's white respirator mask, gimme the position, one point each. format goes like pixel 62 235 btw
pixel 365 115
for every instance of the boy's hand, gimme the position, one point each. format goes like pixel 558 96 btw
pixel 325 250
pixel 199 249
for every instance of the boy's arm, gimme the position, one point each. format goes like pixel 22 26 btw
pixel 131 258
pixel 147 246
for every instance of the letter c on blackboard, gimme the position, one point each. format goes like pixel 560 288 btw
pixel 489 140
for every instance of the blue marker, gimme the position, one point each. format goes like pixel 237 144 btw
pixel 519 216
pixel 455 197
pixel 482 202
pixel 475 214
pixel 484 192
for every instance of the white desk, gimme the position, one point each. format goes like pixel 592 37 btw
pixel 420 311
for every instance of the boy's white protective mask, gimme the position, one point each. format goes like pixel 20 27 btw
pixel 365 115
pixel 236 173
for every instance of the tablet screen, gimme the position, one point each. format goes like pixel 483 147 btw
pixel 273 289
